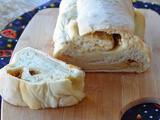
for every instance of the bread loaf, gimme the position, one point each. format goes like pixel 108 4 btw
pixel 101 36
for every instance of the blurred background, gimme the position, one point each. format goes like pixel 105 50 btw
pixel 11 9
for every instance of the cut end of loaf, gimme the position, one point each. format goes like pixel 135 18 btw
pixel 128 54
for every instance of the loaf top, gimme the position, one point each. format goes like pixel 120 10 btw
pixel 98 15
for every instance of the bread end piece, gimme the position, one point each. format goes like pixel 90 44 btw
pixel 34 79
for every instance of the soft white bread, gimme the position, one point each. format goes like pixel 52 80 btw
pixel 99 36
pixel 35 79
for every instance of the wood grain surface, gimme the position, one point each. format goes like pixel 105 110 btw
pixel 108 95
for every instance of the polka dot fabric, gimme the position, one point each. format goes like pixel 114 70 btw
pixel 9 37
pixel 146 111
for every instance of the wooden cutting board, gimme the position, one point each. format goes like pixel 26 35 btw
pixel 108 95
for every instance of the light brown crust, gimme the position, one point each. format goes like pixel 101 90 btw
pixel 140 24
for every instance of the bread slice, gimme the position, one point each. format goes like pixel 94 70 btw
pixel 35 79
pixel 100 36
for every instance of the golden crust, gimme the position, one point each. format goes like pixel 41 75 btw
pixel 140 24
